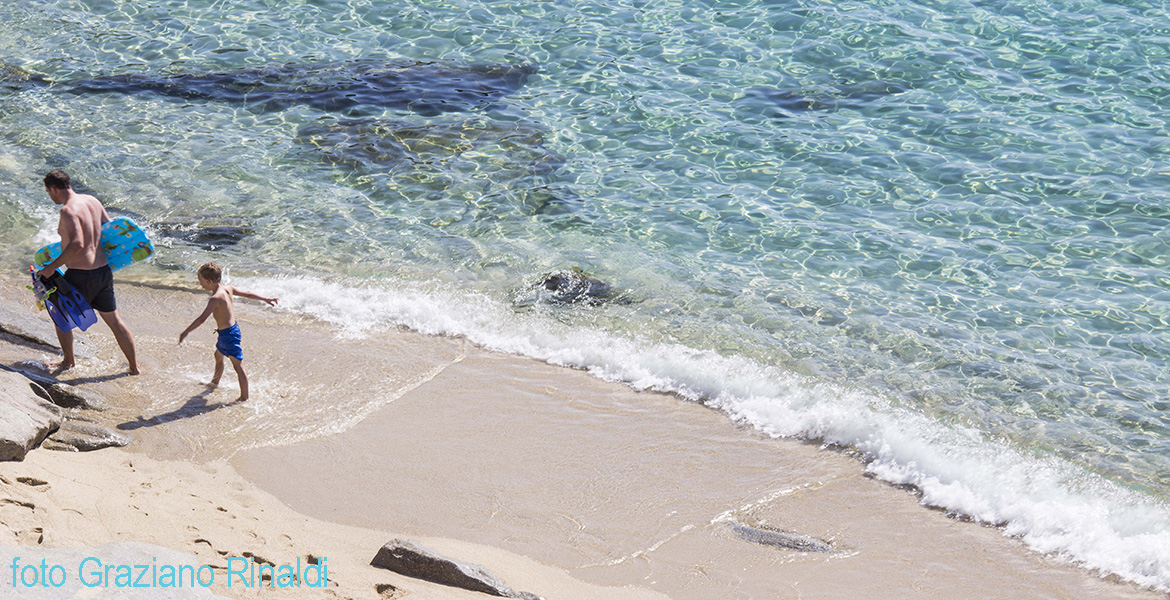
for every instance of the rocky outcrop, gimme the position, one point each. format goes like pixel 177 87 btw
pixel 25 418
pixel 412 560
pixel 26 328
pixel 62 394
pixel 80 436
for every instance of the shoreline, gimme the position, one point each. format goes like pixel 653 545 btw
pixel 594 482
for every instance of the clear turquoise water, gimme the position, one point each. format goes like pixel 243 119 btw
pixel 979 255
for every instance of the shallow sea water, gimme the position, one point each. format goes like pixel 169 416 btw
pixel 932 231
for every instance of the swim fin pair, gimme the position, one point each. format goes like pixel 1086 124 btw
pixel 67 308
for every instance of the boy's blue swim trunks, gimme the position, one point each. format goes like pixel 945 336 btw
pixel 228 343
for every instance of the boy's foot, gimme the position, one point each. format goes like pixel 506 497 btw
pixel 240 399
pixel 135 371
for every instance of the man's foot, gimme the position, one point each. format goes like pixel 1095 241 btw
pixel 213 383
pixel 240 399
pixel 135 371
pixel 60 366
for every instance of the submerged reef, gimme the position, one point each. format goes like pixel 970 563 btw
pixel 427 88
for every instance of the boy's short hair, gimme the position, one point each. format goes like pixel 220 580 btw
pixel 58 179
pixel 211 272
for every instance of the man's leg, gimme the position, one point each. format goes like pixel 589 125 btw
pixel 122 334
pixel 65 338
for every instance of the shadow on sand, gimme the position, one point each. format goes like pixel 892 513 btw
pixel 196 405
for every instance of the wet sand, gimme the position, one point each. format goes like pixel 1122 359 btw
pixel 433 438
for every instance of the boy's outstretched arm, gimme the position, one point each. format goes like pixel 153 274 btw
pixel 246 294
pixel 197 322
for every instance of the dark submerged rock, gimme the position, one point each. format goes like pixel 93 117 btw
pixel 513 171
pixel 779 103
pixel 16 77
pixel 514 149
pixel 204 235
pixel 423 87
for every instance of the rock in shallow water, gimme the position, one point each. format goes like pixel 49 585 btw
pixel 567 286
pixel 426 88
pixel 780 539
pixel 206 236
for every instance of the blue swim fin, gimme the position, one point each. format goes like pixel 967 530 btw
pixel 70 302
pixel 43 292
pixel 59 319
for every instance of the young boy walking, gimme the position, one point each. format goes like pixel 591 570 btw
pixel 220 305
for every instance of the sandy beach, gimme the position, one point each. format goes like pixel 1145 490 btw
pixel 562 485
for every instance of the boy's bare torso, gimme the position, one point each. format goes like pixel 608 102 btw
pixel 221 303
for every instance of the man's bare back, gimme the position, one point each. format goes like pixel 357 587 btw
pixel 82 217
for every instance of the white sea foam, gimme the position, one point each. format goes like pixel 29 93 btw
pixel 1050 504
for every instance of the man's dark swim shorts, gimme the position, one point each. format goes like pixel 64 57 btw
pixel 96 286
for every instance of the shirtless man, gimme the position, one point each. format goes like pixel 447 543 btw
pixel 80 228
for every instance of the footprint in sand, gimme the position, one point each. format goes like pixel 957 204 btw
pixel 386 591
pixel 18 517
pixel 34 483
pixel 14 501
pixel 201 541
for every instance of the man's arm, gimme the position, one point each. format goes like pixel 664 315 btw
pixel 69 227
pixel 254 296
pixel 198 320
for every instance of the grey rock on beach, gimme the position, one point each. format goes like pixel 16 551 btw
pixel 80 436
pixel 62 394
pixel 408 558
pixel 27 329
pixel 780 539
pixel 25 418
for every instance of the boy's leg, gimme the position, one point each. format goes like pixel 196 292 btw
pixel 122 334
pixel 218 368
pixel 243 377
pixel 65 338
